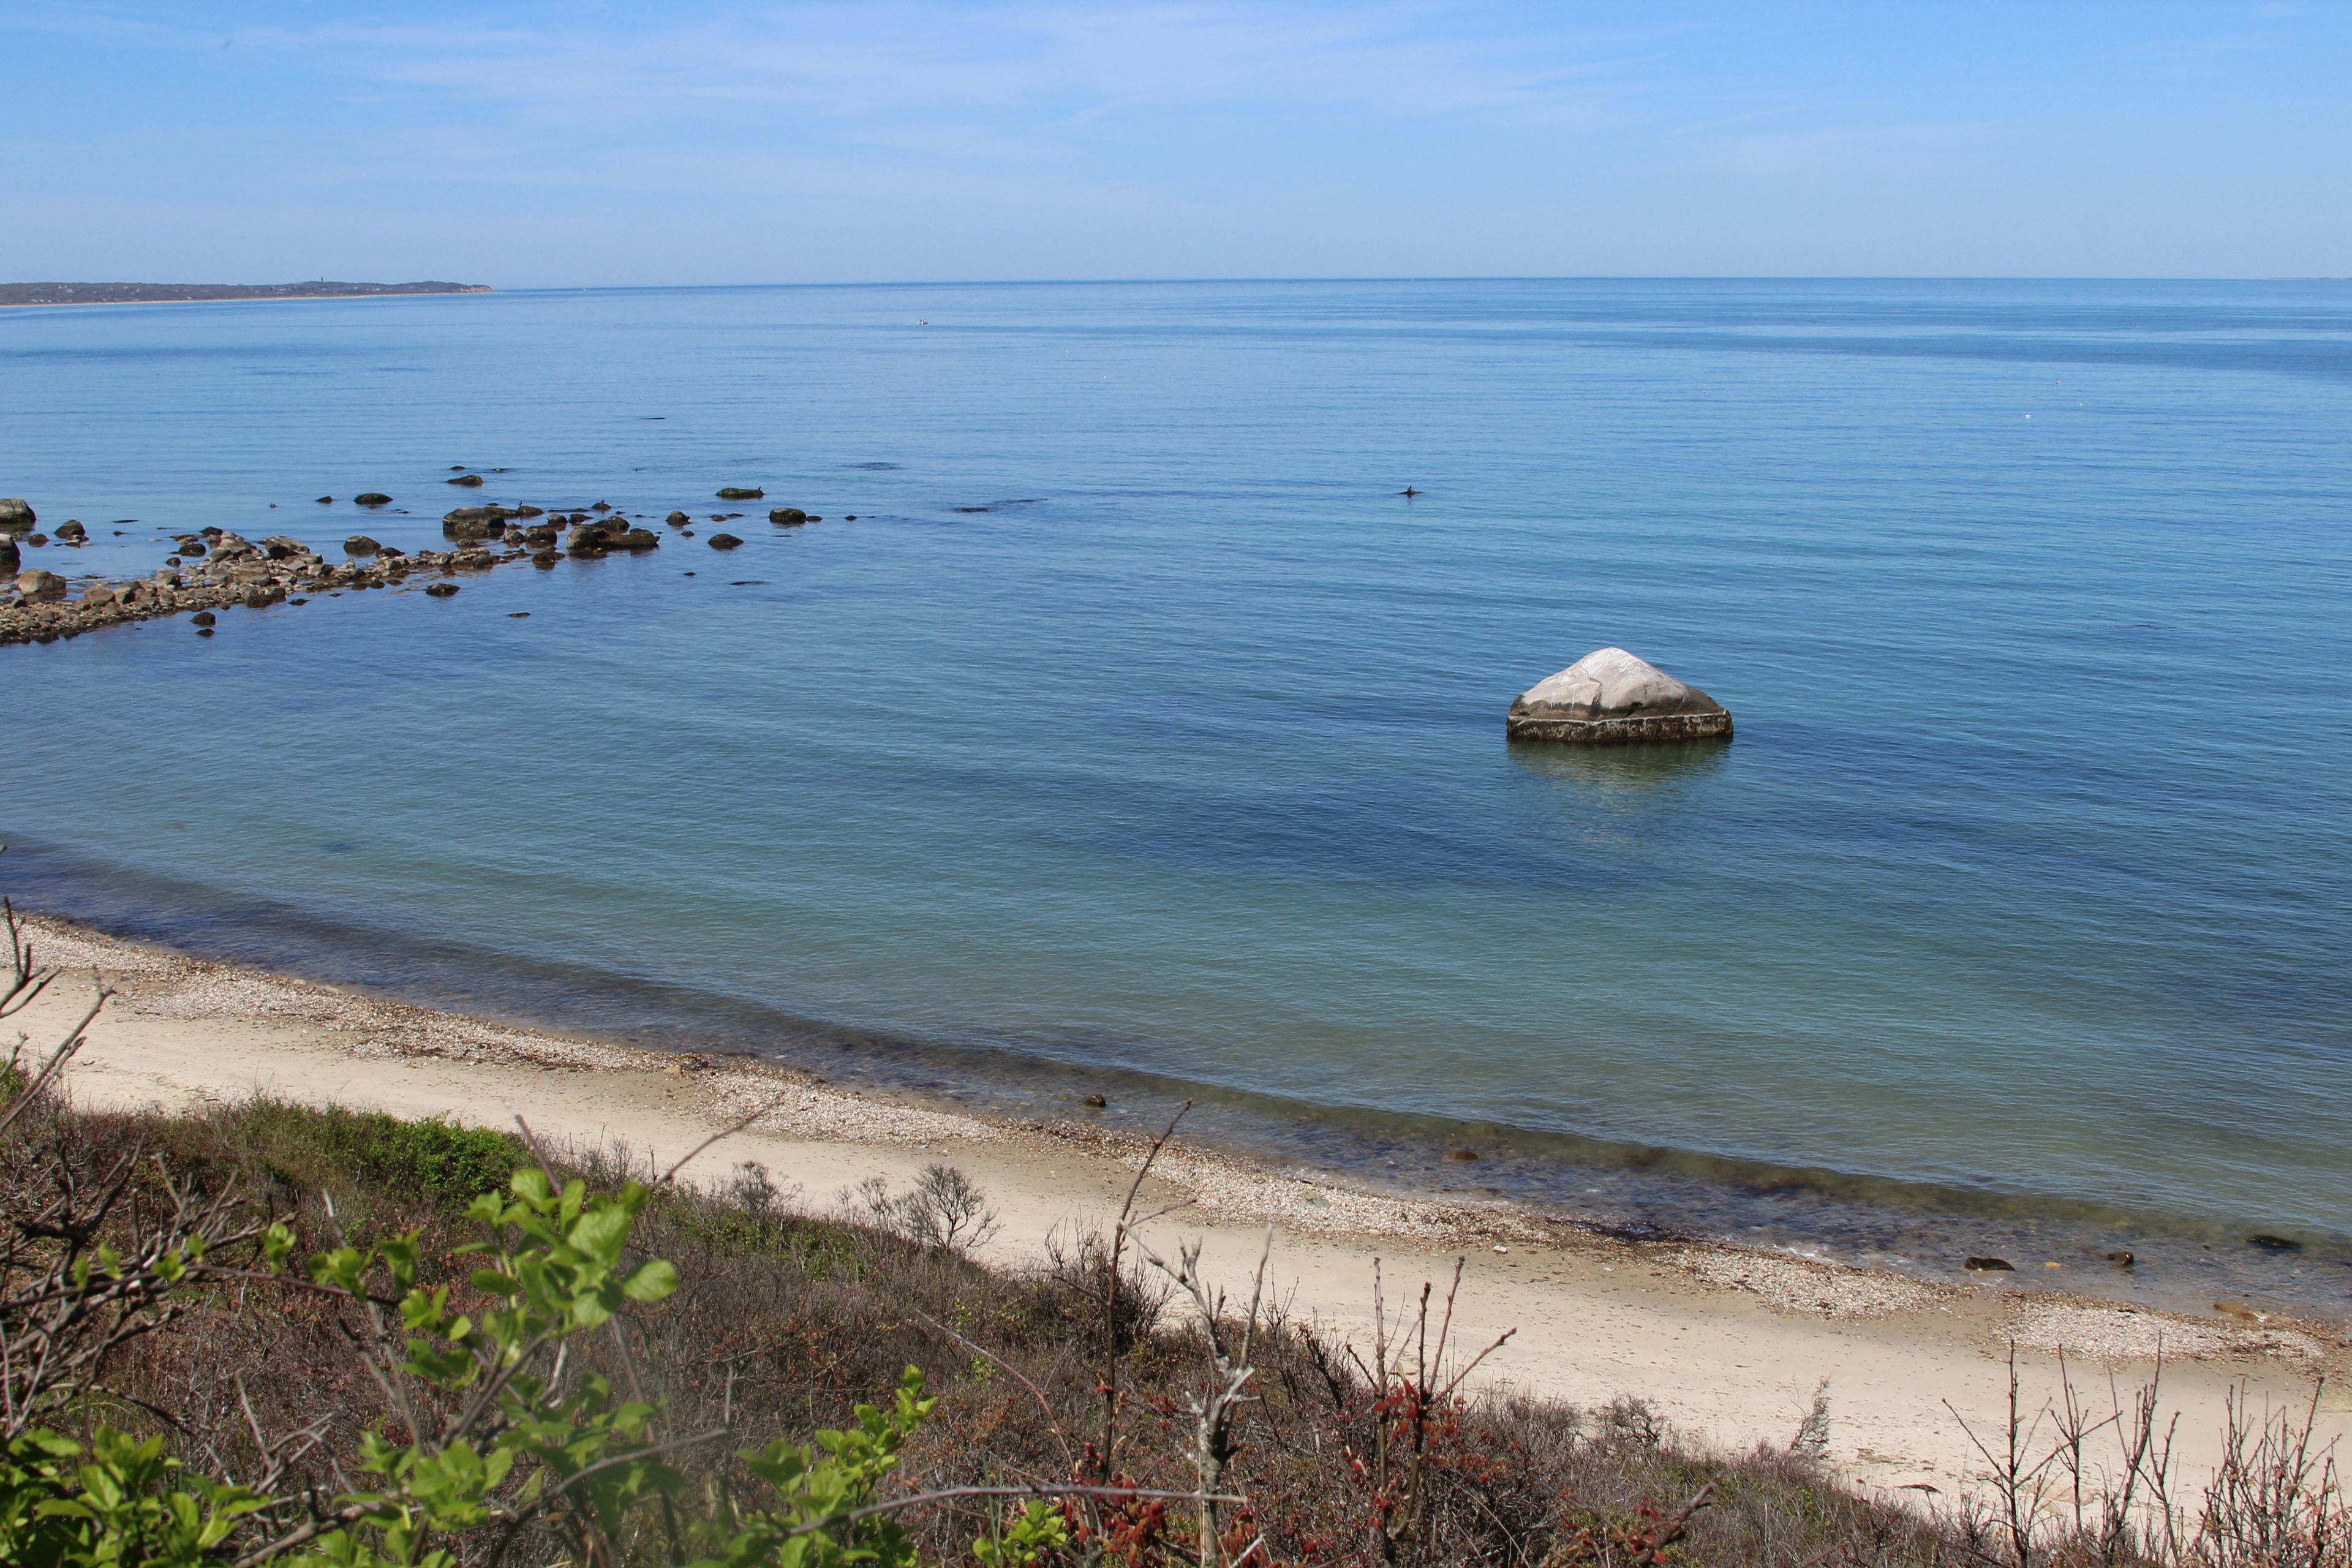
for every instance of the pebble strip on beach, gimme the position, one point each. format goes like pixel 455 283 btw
pixel 211 569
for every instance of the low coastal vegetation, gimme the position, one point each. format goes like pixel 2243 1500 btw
pixel 267 1332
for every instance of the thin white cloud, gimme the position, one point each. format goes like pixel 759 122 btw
pixel 1042 62
pixel 1044 137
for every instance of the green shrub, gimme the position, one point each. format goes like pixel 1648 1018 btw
pixel 496 1436
pixel 305 1147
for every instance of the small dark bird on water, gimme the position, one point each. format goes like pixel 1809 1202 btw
pixel 1408 490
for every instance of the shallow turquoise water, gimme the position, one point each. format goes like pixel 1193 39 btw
pixel 2024 888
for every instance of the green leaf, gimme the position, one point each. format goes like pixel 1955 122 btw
pixel 278 1244
pixel 496 1282
pixel 532 1186
pixel 601 1233
pixel 651 1281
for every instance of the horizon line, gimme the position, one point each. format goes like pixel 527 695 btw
pixel 1210 279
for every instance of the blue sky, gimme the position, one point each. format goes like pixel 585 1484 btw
pixel 525 144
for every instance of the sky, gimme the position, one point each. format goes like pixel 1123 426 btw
pixel 524 144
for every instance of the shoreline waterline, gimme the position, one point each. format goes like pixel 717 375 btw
pixel 1620 1190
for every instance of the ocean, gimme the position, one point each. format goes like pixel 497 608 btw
pixel 1142 737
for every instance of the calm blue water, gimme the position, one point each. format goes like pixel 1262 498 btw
pixel 2025 887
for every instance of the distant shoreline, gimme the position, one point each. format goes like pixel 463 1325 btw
pixel 12 294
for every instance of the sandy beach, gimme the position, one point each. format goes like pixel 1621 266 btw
pixel 1730 1346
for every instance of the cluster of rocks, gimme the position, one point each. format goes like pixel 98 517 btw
pixel 594 532
pixel 17 522
pixel 213 569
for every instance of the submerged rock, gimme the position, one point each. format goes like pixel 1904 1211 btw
pixel 596 536
pixel 471 523
pixel 471 481
pixel 724 542
pixel 1609 696
pixel 740 493
pixel 371 497
pixel 788 516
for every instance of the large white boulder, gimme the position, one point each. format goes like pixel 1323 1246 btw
pixel 1612 695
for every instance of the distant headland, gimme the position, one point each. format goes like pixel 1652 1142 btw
pixel 169 293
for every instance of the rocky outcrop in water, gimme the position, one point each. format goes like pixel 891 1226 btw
pixel 1611 697
pixel 603 534
pixel 470 523
pixel 211 569
pixel 235 570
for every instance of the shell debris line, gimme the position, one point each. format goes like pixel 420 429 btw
pixel 782 1108
pixel 1313 1205
pixel 1795 1285
pixel 2127 1334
